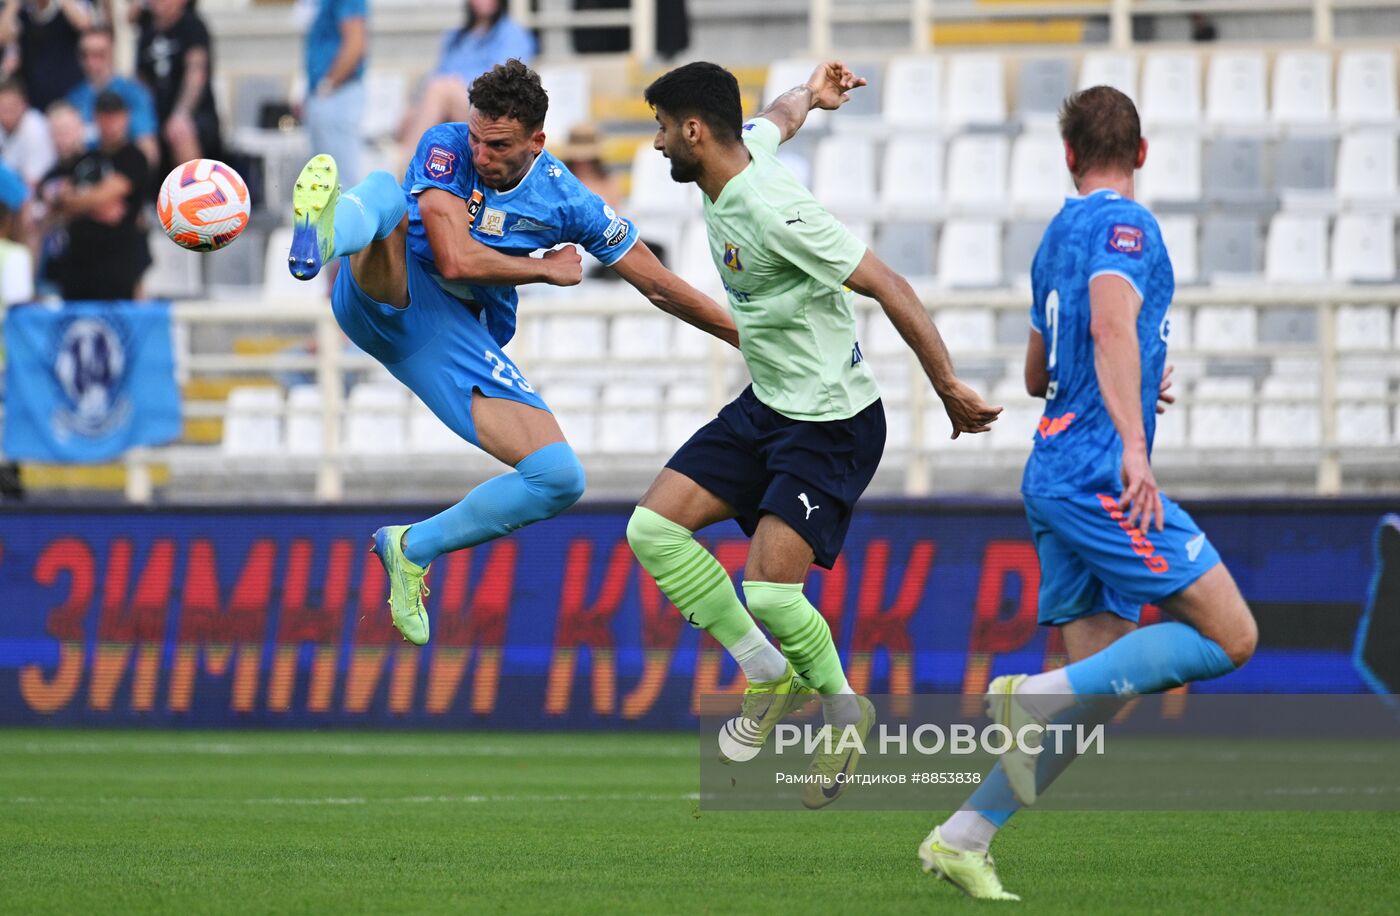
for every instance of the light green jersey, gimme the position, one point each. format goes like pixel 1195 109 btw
pixel 784 260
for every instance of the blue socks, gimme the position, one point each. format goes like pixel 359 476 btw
pixel 370 210
pixel 542 485
pixel 1150 660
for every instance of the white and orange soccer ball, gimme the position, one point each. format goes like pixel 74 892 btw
pixel 203 205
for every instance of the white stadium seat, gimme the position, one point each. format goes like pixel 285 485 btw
pixel 1303 87
pixel 1367 169
pixel 253 424
pixel 975 91
pixel 969 254
pixel 1235 90
pixel 1179 235
pixel 1362 327
pixel 1363 248
pixel 1225 329
pixel 977 173
pixel 304 421
pixel 376 418
pixel 913 93
pixel 1172 172
pixel 784 75
pixel 175 272
pixel 1101 68
pixel 429 435
pixel 843 175
pixel 1293 423
pixel 694 263
pixel 653 189
pixel 570 98
pixel 628 421
pixel 1020 416
pixel 911 178
pixel 1362 416
pixel 574 403
pixel 639 336
pixel 566 337
pixel 386 96
pixel 1366 86
pixel 1040 182
pixel 1222 413
pixel 1171 89
pixel 967 330
pixel 1170 432
pixel 1297 249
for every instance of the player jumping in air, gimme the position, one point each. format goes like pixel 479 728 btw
pixel 427 286
pixel 790 456
pixel 1108 540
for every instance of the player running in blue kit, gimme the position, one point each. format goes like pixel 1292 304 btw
pixel 1107 539
pixel 427 286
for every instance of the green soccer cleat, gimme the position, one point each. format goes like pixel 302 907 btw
pixel 973 873
pixel 313 217
pixel 1019 761
pixel 406 588
pixel 837 767
pixel 766 703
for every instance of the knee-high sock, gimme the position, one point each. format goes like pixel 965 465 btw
pixel 368 211
pixel 801 632
pixel 542 485
pixel 701 590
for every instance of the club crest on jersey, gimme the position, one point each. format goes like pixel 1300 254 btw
pixel 441 164
pixel 525 224
pixel 493 222
pixel 1125 240
pixel 731 257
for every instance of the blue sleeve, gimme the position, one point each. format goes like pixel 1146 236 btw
pixel 1119 245
pixel 443 160
pixel 597 227
pixel 143 112
pixel 351 9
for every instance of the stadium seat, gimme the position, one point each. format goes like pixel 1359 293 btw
pixel 1170 432
pixel 654 191
pixel 977 174
pixel 174 272
pixel 1222 413
pixel 639 336
pixel 881 338
pixel 376 418
pixel 861 115
pixel 1022 240
pixel 1363 248
pixel 913 93
pixel 969 254
pixel 1225 329
pixel 427 435
pixel 787 73
pixel 304 421
pixel 694 263
pixel 975 91
pixel 1362 416
pixel 911 178
pixel 1040 182
pixel 1290 326
pixel 1235 89
pixel 628 420
pixel 1179 235
pixel 938 430
pixel 1367 170
pixel 1296 251
pixel 843 175
pixel 1021 413
pixel 967 331
pixel 908 248
pixel 278 282
pixel 680 422
pixel 1302 87
pixel 1172 173
pixel 575 402
pixel 1291 423
pixel 1366 86
pixel 570 98
pixel 386 97
pixel 1041 88
pixel 1229 248
pixel 253 422
pixel 1171 89
pixel 571 337
pixel 1305 172
pixel 1362 327
pixel 1234 173
pixel 1102 68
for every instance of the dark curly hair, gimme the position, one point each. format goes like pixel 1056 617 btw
pixel 702 90
pixel 510 90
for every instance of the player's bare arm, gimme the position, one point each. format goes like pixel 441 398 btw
pixel 673 295
pixel 461 257
pixel 829 88
pixel 1114 305
pixel 966 409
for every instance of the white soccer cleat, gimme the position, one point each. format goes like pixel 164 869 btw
pixel 1019 762
pixel 973 873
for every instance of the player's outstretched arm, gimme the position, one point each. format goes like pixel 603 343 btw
pixel 461 257
pixel 829 87
pixel 1114 305
pixel 673 295
pixel 966 409
pixel 1037 376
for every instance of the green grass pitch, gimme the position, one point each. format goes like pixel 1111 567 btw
pixel 354 822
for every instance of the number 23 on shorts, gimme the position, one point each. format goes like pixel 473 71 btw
pixel 505 373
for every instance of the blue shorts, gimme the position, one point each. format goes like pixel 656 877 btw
pixel 438 346
pixel 1090 563
pixel 808 473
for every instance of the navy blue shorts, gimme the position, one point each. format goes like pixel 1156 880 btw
pixel 807 473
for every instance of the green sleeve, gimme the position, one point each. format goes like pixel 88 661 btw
pixel 815 242
pixel 762 134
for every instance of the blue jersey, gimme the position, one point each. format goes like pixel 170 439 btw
pixel 548 207
pixel 1077 450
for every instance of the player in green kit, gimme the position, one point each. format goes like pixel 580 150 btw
pixel 791 455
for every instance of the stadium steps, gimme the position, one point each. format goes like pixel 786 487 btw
pixel 83 479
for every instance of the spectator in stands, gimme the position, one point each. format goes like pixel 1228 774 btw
pixel 174 60
pixel 45 33
pixel 96 53
pixel 25 144
pixel 488 37
pixel 335 69
pixel 99 195
pixel 582 154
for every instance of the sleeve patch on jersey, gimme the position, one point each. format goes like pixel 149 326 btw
pixel 441 164
pixel 1125 240
pixel 616 233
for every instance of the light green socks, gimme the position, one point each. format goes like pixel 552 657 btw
pixel 804 636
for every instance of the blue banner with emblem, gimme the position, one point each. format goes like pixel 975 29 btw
pixel 85 381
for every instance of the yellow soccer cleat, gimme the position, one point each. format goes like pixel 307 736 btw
pixel 973 873
pixel 406 588
pixel 1019 762
pixel 766 703
pixel 837 768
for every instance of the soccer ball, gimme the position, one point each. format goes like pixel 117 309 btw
pixel 203 205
